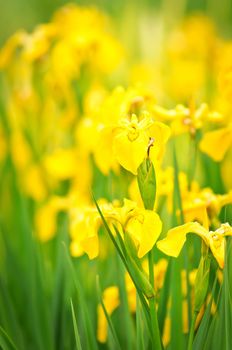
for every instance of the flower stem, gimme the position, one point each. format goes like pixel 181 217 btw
pixel 156 342
pixel 191 333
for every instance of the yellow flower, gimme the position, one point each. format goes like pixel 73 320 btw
pixel 61 164
pixel 37 44
pixel 185 119
pixel 46 217
pixel 195 203
pixel 34 183
pixel 20 150
pixel 103 153
pixel 143 226
pixel 131 139
pixel 215 240
pixel 84 226
pixel 8 51
pixel 216 143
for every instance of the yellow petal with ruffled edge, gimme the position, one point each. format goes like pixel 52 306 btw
pixel 217 242
pixel 216 143
pixel 103 151
pixel 218 250
pixel 84 226
pixel 90 246
pixel 145 229
pixel 176 237
pixel 130 154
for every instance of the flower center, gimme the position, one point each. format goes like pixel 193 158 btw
pixel 133 133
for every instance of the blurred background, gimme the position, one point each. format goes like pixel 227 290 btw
pixel 18 14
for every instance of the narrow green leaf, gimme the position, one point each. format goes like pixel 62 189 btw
pixel 110 324
pixel 139 326
pixel 5 341
pixel 88 327
pixel 76 332
pixel 128 328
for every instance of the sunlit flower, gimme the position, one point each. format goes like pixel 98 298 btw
pixel 187 119
pixel 215 240
pixel 195 203
pixel 143 226
pixel 46 217
pixel 131 139
pixel 216 143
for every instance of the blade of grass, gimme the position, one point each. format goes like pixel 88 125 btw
pixel 163 300
pixel 139 326
pixel 177 341
pixel 109 321
pixel 89 332
pixel 227 302
pixel 128 328
pixel 5 341
pixel 178 205
pixel 76 332
pixel 203 328
pixel 156 341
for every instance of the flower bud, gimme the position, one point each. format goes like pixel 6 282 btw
pixel 202 282
pixel 147 183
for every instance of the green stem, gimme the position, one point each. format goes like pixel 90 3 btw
pixel 156 342
pixel 191 333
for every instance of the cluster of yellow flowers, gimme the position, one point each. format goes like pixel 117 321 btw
pixel 66 130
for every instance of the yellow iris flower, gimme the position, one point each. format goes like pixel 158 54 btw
pixel 143 226
pixel 187 119
pixel 131 139
pixel 215 240
pixel 196 203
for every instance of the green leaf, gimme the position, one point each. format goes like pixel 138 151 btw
pixel 76 332
pixel 128 328
pixel 89 332
pixel 110 324
pixel 139 326
pixel 5 341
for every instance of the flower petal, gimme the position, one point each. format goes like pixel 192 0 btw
pixel 145 229
pixel 176 237
pixel 216 143
pixel 130 154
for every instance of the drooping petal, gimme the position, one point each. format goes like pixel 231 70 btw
pixel 176 237
pixel 90 246
pixel 160 133
pixel 218 250
pixel 151 230
pixel 145 229
pixel 84 226
pixel 130 154
pixel 103 151
pixel 216 143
